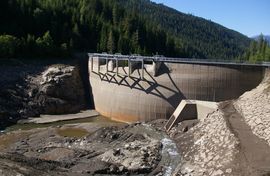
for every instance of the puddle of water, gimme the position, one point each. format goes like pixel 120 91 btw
pixel 72 132
pixel 19 131
pixel 7 140
pixel 97 119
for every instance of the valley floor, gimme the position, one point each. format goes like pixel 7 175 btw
pixel 234 140
pixel 105 149
pixel 221 144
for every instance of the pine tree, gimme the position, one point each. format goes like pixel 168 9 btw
pixel 103 39
pixel 116 15
pixel 170 45
pixel 111 43
pixel 45 44
pixel 135 42
pixel 120 44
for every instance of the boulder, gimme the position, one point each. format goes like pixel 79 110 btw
pixel 28 91
pixel 59 91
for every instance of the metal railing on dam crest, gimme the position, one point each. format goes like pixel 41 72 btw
pixel 160 58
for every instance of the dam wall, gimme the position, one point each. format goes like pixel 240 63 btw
pixel 130 98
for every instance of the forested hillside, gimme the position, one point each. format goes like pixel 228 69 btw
pixel 44 28
pixel 259 50
pixel 79 25
pixel 199 37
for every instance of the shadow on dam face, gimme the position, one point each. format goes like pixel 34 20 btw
pixel 132 99
pixel 153 87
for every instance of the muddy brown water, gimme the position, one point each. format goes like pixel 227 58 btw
pixel 7 140
pixel 16 132
pixel 72 132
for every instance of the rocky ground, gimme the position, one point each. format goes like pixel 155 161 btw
pixel 255 108
pixel 208 148
pixel 230 141
pixel 234 140
pixel 35 89
pixel 121 150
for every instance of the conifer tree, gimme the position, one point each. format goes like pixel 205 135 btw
pixel 111 43
pixel 103 39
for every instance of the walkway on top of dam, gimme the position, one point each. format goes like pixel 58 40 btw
pixel 159 58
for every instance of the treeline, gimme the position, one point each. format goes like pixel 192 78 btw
pixel 47 28
pixel 258 51
pixel 31 46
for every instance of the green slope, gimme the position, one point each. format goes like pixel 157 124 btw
pixel 206 38
pixel 57 27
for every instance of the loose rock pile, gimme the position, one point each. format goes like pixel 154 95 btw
pixel 134 156
pixel 255 108
pixel 208 148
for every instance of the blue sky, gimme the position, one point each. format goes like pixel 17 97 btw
pixel 250 17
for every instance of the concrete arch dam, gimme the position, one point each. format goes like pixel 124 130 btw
pixel 142 89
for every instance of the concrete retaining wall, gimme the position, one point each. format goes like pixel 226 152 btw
pixel 131 99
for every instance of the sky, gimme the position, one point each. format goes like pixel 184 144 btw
pixel 249 17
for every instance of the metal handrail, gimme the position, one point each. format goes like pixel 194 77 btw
pixel 158 58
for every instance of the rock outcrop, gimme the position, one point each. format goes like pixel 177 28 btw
pixel 58 90
pixel 31 90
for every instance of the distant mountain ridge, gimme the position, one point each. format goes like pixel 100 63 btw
pixel 202 37
pixel 266 37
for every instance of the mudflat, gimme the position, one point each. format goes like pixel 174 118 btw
pixel 56 118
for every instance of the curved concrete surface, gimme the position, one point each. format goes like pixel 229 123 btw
pixel 131 99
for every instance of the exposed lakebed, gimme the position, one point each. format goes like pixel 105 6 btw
pixel 96 120
pixel 91 146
